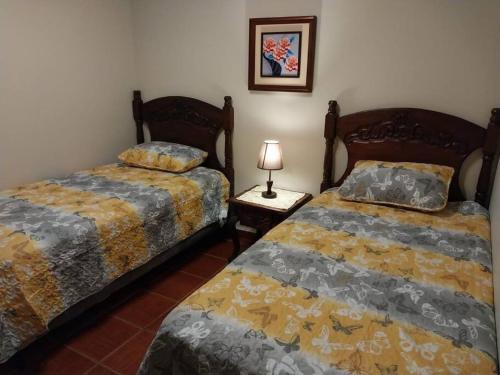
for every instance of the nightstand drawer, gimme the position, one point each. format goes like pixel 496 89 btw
pixel 255 218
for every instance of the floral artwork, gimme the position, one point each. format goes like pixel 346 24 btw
pixel 280 54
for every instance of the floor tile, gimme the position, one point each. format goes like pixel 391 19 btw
pixel 222 249
pixel 64 361
pixel 143 309
pixel 204 266
pixel 99 370
pixel 102 338
pixel 178 285
pixel 126 359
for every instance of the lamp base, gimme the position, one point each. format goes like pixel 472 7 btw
pixel 268 195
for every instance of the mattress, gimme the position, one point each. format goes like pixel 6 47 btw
pixel 63 240
pixel 344 288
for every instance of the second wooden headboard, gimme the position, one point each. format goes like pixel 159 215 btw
pixel 413 135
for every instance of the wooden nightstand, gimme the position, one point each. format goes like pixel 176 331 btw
pixel 264 214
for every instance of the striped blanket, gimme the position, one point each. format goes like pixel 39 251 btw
pixel 344 288
pixel 63 240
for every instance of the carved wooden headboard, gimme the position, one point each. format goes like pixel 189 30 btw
pixel 413 135
pixel 190 122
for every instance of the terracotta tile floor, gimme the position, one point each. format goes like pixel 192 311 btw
pixel 112 337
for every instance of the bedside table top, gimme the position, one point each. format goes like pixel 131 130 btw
pixel 285 200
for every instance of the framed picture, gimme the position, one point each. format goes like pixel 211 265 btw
pixel 281 53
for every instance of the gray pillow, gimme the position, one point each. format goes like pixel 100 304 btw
pixel 165 156
pixel 414 185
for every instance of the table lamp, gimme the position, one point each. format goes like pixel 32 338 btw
pixel 270 159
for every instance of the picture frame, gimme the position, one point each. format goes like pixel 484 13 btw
pixel 281 53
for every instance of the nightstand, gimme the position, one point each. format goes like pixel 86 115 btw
pixel 264 214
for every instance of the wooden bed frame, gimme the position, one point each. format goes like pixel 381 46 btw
pixel 413 135
pixel 175 119
pixel 190 122
pixel 182 120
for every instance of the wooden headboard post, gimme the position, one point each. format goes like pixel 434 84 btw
pixel 491 150
pixel 228 141
pixel 330 134
pixel 137 109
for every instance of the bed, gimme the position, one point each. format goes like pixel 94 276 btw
pixel 353 288
pixel 68 243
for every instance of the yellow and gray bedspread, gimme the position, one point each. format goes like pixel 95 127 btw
pixel 63 240
pixel 344 288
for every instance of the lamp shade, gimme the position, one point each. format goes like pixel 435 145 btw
pixel 270 156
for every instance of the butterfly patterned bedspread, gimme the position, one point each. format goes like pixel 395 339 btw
pixel 62 240
pixel 344 288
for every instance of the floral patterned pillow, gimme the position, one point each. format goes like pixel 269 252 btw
pixel 165 156
pixel 414 185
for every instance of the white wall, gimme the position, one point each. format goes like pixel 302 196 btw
pixel 66 75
